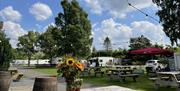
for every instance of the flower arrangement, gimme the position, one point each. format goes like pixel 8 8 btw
pixel 70 68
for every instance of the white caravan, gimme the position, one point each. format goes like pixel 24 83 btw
pixel 103 61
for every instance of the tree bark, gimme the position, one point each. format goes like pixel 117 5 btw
pixel 29 61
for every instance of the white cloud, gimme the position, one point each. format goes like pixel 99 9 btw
pixel 13 31
pixel 120 34
pixel 8 13
pixel 115 31
pixel 40 11
pixel 96 8
pixel 117 8
pixel 153 32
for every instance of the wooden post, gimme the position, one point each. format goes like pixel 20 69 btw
pixel 5 80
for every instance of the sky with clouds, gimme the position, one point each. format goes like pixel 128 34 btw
pixel 112 18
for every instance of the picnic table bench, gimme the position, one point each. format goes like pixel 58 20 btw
pixel 133 76
pixel 98 70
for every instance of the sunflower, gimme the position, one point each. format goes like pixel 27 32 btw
pixel 70 61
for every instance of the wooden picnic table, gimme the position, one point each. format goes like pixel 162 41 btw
pixel 123 67
pixel 122 74
pixel 167 79
pixel 121 70
pixel 133 76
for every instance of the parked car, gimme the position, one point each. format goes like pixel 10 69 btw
pixel 154 65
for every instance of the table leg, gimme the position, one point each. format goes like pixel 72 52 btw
pixel 124 79
pixel 134 78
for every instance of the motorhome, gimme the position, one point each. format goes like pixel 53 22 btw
pixel 101 61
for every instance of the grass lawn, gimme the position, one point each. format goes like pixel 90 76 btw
pixel 142 84
pixel 49 71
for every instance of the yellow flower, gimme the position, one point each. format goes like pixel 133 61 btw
pixel 70 61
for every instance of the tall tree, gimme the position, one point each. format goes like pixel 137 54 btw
pixel 169 13
pixel 48 44
pixel 74 34
pixel 139 43
pixel 6 55
pixel 107 44
pixel 28 43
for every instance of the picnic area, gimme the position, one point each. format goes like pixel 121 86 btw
pixel 89 45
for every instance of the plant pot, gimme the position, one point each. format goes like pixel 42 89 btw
pixel 45 84
pixel 5 80
pixel 75 89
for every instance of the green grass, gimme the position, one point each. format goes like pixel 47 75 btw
pixel 142 84
pixel 49 71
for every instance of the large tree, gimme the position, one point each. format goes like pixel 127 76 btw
pixel 107 44
pixel 48 43
pixel 169 14
pixel 139 43
pixel 74 34
pixel 28 44
pixel 6 55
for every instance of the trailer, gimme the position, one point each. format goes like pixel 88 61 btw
pixel 101 61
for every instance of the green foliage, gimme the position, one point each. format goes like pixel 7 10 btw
pixel 6 55
pixel 38 55
pixel 18 54
pixel 120 53
pixel 48 43
pixel 28 44
pixel 169 13
pixel 157 45
pixel 74 35
pixel 178 49
pixel 139 43
pixel 115 53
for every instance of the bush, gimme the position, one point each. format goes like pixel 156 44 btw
pixel 5 52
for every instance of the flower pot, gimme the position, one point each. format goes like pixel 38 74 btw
pixel 45 84
pixel 5 80
pixel 75 89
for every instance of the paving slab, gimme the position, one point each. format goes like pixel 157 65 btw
pixel 108 88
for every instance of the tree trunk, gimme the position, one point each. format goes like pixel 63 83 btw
pixel 29 61
pixel 50 61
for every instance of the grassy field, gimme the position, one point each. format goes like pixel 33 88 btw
pixel 49 71
pixel 142 84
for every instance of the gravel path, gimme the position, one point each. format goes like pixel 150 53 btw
pixel 26 83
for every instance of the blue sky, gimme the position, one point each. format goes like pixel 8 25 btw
pixel 112 18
